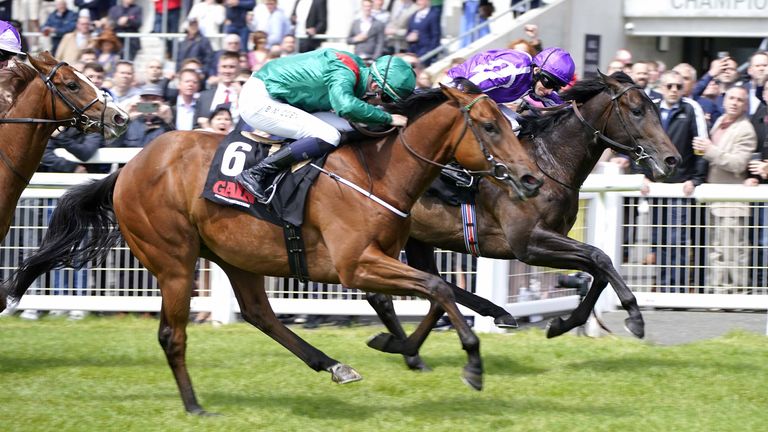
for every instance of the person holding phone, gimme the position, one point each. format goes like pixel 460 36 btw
pixel 150 116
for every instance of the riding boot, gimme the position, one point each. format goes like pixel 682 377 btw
pixel 254 179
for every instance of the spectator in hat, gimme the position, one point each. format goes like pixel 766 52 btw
pixel 108 48
pixel 150 116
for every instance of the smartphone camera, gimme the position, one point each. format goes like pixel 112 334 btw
pixel 723 54
pixel 147 107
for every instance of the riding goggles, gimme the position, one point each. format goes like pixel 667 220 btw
pixel 549 82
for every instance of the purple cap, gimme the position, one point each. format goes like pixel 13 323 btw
pixel 9 38
pixel 557 63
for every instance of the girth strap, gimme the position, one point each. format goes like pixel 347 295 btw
pixel 297 258
pixel 469 219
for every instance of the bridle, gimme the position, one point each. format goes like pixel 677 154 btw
pixel 498 170
pixel 636 151
pixel 79 119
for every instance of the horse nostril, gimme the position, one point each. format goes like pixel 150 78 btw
pixel 671 161
pixel 119 120
pixel 531 182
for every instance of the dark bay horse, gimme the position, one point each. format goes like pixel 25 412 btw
pixel 349 239
pixel 535 231
pixel 32 109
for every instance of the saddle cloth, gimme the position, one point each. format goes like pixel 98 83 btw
pixel 238 151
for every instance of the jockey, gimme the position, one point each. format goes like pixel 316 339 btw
pixel 509 75
pixel 10 43
pixel 283 93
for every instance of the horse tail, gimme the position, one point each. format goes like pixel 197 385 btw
pixel 82 229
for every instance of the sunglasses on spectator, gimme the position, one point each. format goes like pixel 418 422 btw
pixel 549 83
pixel 677 86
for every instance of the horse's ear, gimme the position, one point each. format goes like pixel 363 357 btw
pixel 601 75
pixel 609 81
pixel 453 93
pixel 41 60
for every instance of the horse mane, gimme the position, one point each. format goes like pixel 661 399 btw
pixel 424 101
pixel 13 81
pixel 581 92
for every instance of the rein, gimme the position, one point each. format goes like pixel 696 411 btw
pixel 499 171
pixel 598 135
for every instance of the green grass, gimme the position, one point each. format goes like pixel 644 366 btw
pixel 109 374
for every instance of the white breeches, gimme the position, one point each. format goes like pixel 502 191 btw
pixel 261 112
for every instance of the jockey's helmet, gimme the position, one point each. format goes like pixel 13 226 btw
pixel 9 38
pixel 556 64
pixel 394 75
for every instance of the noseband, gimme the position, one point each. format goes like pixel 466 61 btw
pixel 635 149
pixel 498 170
pixel 79 119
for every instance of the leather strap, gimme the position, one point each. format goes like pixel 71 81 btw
pixel 297 259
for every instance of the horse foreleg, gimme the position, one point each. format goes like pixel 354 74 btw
pixel 377 272
pixel 550 249
pixel 256 310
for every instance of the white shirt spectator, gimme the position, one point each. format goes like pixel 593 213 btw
pixel 210 16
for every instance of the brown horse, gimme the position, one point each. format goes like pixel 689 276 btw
pixel 535 231
pixel 349 238
pixel 33 108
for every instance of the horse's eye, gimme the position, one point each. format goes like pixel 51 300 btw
pixel 637 112
pixel 72 86
pixel 490 127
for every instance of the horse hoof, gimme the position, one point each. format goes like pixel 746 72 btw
pixel 506 321
pixel 636 326
pixel 415 363
pixel 472 378
pixel 343 374
pixel 555 327
pixel 385 342
pixel 199 411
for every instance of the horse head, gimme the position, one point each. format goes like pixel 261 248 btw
pixel 492 146
pixel 89 107
pixel 634 125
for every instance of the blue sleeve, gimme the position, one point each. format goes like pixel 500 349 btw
pixel 701 84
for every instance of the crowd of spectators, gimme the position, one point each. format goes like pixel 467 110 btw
pixel 718 124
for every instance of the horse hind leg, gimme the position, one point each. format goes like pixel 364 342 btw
pixel 385 309
pixel 256 310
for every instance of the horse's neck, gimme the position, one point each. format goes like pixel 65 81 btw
pixel 567 152
pixel 399 176
pixel 23 144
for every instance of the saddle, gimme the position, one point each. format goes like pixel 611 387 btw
pixel 241 150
